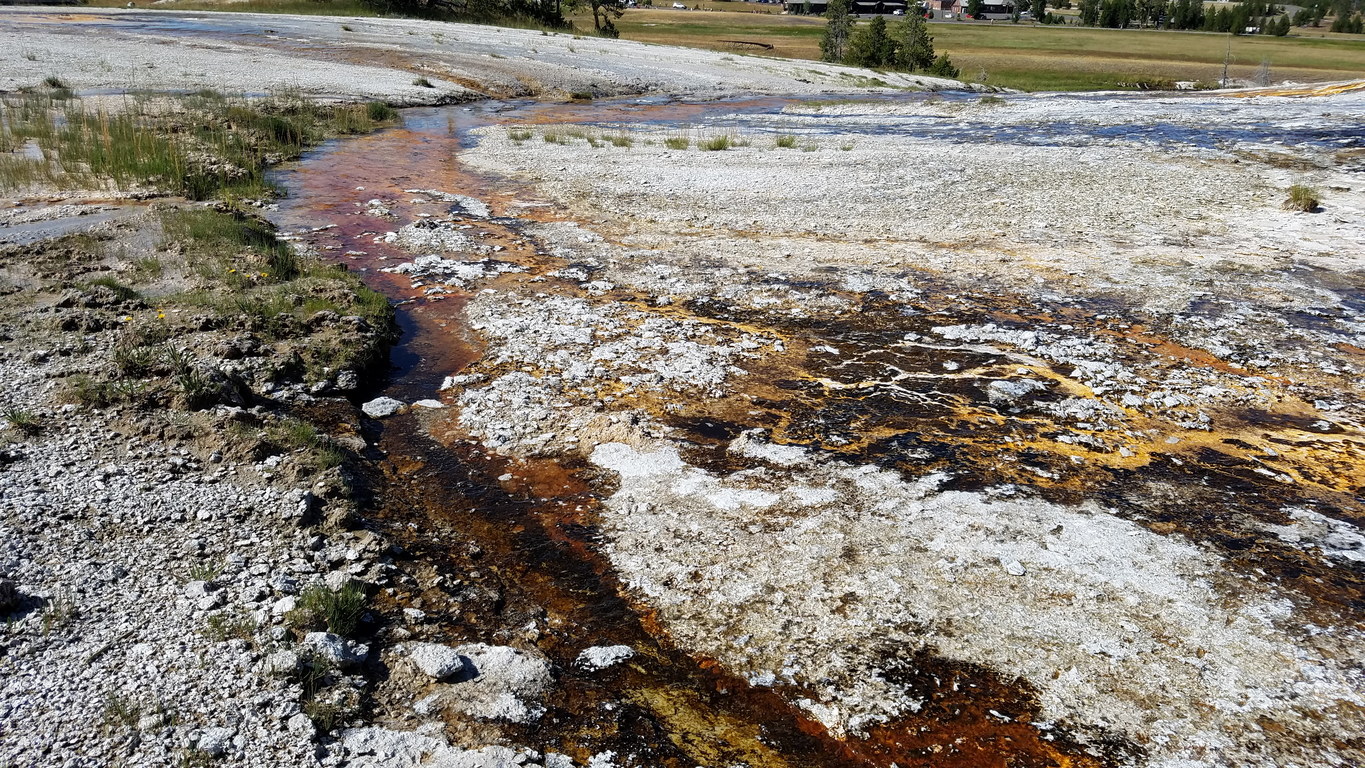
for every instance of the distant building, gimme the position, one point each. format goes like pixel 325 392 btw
pixel 991 9
pixel 860 7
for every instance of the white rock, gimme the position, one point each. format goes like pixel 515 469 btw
pixel 397 748
pixel 215 741
pixel 603 656
pixel 1011 390
pixel 281 663
pixel 435 660
pixel 507 683
pixel 301 725
pixel 380 407
pixel 335 649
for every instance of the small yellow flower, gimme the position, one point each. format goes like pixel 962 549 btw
pixel 265 274
pixel 230 271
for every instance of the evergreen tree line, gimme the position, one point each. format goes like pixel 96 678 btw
pixel 1270 19
pixel 1185 14
pixel 905 45
pixel 548 13
pixel 1346 15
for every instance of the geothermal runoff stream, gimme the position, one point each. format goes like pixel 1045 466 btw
pixel 751 413
pixel 885 512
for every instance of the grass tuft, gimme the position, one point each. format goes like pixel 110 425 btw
pixel 136 361
pixel 717 143
pixel 23 421
pixel 1301 198
pixel 228 626
pixel 380 112
pixel 60 612
pixel 678 142
pixel 338 610
pixel 785 141
pixel 121 291
pixel 121 711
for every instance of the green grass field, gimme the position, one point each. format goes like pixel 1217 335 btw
pixel 1025 56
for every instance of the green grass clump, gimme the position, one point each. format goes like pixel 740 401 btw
pixel 233 248
pixel 121 711
pixel 422 82
pixel 123 292
pixel 291 434
pixel 338 610
pixel 785 141
pixel 717 143
pixel 1303 199
pixel 518 134
pixel 148 268
pixel 380 112
pixel 25 422
pixel 84 389
pixel 137 361
pixel 60 612
pixel 199 145
pixel 677 142
pixel 228 626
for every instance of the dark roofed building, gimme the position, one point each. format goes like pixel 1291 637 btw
pixel 860 7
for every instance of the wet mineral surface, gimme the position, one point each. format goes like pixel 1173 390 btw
pixel 946 433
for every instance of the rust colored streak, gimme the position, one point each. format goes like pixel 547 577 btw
pixel 1176 351
pixel 1307 91
pixel 1350 349
pixel 971 718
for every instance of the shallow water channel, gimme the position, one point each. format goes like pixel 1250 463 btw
pixel 891 396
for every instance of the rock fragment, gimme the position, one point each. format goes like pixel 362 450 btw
pixel 603 656
pixel 437 661
pixel 381 407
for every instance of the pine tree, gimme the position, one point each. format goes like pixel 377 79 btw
pixel 870 46
pixel 943 67
pixel 1090 12
pixel 834 43
pixel 914 46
